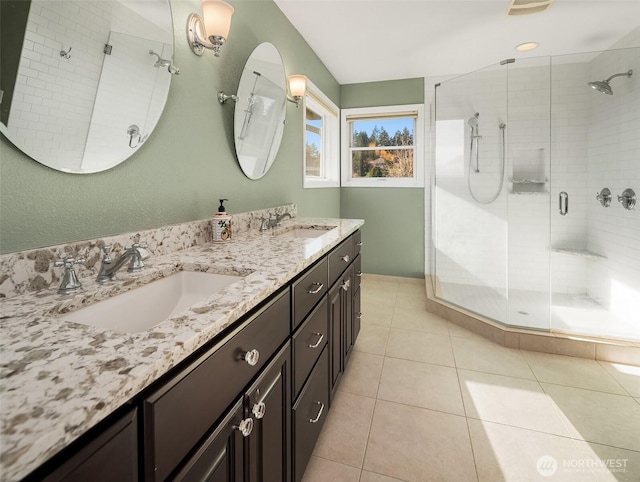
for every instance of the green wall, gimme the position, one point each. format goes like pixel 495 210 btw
pixel 393 234
pixel 186 164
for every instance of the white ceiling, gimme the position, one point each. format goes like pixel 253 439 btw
pixel 373 40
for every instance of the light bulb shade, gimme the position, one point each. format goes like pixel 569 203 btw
pixel 217 18
pixel 297 85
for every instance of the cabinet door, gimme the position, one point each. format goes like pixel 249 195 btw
pixel 309 414
pixel 220 458
pixel 357 314
pixel 346 307
pixel 336 327
pixel 112 455
pixel 268 402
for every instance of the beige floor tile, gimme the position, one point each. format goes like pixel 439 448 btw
pixel 372 339
pixel 416 444
pixel 483 355
pixel 362 374
pixel 572 372
pixel 504 453
pixel 372 317
pixel 344 435
pixel 380 306
pixel 322 470
pixel 598 417
pixel 419 320
pixel 627 375
pixel 367 476
pixel 608 464
pixel 417 346
pixel 421 385
pixel 510 401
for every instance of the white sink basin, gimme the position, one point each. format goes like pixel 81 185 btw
pixel 145 307
pixel 305 232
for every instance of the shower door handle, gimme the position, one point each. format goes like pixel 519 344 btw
pixel 563 203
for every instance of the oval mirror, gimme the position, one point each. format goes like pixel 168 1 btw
pixel 84 83
pixel 260 111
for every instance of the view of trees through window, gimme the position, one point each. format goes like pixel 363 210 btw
pixel 382 147
pixel 313 141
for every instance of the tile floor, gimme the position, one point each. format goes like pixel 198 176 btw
pixel 425 400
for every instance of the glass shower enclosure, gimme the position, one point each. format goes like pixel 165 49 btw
pixel 533 175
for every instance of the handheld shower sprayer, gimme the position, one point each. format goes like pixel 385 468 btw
pixel 473 123
pixel 474 136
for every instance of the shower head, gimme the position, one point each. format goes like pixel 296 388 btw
pixel 603 85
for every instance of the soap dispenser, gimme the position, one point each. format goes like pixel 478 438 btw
pixel 221 224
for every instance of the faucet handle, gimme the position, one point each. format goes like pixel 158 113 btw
pixel 106 250
pixel 68 262
pixel 70 282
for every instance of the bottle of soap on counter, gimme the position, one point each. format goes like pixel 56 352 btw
pixel 221 224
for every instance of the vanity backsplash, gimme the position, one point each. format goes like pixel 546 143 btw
pixel 34 270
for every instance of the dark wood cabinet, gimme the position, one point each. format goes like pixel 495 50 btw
pixel 221 457
pixel 268 403
pixel 309 414
pixel 111 455
pixel 177 415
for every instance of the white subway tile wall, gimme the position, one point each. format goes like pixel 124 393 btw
pixel 54 96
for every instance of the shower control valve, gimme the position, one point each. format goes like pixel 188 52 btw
pixel 604 197
pixel 628 199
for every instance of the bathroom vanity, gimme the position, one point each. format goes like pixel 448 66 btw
pixel 235 388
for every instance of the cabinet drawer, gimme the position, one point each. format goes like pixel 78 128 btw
pixel 308 343
pixel 180 413
pixel 357 272
pixel 309 414
pixel 339 259
pixel 357 242
pixel 308 290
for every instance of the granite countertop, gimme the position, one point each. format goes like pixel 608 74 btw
pixel 60 378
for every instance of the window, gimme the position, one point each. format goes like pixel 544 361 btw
pixel 322 150
pixel 382 146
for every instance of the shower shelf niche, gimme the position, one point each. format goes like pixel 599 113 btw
pixel 529 173
pixel 584 253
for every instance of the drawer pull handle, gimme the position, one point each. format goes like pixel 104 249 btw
pixel 252 357
pixel 359 315
pixel 359 274
pixel 315 420
pixel 345 286
pixel 259 410
pixel 317 290
pixel 359 243
pixel 317 343
pixel 345 258
pixel 245 427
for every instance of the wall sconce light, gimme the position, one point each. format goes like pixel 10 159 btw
pixel 297 88
pixel 211 30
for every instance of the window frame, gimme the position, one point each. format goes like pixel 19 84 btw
pixel 317 101
pixel 349 115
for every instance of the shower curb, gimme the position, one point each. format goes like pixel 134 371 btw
pixel 553 342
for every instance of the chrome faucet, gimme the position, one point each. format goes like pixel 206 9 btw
pixel 110 267
pixel 273 221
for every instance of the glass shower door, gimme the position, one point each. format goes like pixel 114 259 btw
pixel 470 206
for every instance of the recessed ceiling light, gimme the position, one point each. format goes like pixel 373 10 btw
pixel 526 46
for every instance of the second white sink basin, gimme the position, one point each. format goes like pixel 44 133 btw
pixel 143 308
pixel 305 232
